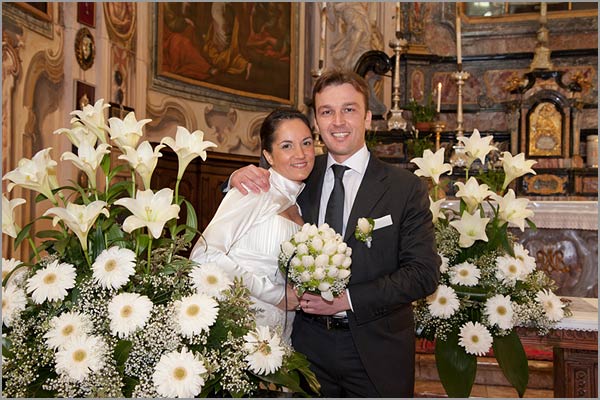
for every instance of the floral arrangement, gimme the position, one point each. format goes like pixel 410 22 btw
pixel 317 260
pixel 489 283
pixel 107 306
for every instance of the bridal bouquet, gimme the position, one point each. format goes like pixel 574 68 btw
pixel 489 283
pixel 106 306
pixel 316 260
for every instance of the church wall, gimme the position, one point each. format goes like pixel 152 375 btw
pixel 40 68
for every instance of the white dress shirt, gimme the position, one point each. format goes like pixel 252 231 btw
pixel 353 177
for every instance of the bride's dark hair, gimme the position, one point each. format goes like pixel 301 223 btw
pixel 270 125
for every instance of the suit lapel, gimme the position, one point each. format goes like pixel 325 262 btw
pixel 371 190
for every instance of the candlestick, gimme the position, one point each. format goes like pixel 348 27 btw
pixel 439 96
pixel 395 120
pixel 323 33
pixel 397 19
pixel 458 44
pixel 460 77
pixel 543 8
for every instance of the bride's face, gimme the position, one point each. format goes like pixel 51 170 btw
pixel 293 154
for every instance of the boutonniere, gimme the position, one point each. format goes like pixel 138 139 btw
pixel 364 230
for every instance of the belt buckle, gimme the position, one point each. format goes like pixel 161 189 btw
pixel 328 323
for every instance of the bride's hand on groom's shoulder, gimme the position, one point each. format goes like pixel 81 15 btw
pixel 250 178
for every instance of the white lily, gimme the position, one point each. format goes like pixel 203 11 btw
pixel 187 146
pixel 88 159
pixel 515 167
pixel 127 131
pixel 150 210
pixel 473 193
pixel 143 160
pixel 476 147
pixel 8 215
pixel 93 118
pixel 435 208
pixel 432 165
pixel 471 228
pixel 513 210
pixel 79 218
pixel 78 134
pixel 38 174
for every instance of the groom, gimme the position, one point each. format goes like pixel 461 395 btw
pixel 362 344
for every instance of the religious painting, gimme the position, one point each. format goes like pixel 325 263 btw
pixel 84 95
pixel 544 127
pixel 86 13
pixel 239 52
pixel 41 10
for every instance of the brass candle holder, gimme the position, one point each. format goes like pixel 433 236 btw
pixel 438 128
pixel 460 77
pixel 395 120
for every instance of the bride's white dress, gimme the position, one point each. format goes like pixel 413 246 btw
pixel 244 239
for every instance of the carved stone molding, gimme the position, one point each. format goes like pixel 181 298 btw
pixel 121 24
pixel 166 115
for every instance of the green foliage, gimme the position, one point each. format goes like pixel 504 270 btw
pixel 422 112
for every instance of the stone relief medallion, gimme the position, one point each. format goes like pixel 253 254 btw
pixel 85 49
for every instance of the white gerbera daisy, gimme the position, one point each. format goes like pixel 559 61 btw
pixel 553 307
pixel 179 374
pixel 52 282
pixel 128 312
pixel 265 354
pixel 444 265
pixel 210 279
pixel 113 267
pixel 475 338
pixel 509 270
pixel 80 356
pixel 465 274
pixel 499 310
pixel 522 254
pixel 65 327
pixel 13 302
pixel 196 313
pixel 443 303
pixel 16 277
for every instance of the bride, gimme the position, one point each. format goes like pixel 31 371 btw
pixel 245 234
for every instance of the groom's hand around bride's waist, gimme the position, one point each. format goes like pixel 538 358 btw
pixel 250 178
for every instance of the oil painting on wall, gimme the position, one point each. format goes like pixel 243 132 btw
pixel 245 50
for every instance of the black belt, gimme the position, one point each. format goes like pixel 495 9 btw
pixel 340 323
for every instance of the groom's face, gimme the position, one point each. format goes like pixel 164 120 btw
pixel 342 119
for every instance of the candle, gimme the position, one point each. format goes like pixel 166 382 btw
pixel 397 18
pixel 458 44
pixel 543 9
pixel 323 33
pixel 439 96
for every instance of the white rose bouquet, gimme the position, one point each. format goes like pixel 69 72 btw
pixel 316 260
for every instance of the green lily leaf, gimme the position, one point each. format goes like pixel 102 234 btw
pixel 456 368
pixel 512 360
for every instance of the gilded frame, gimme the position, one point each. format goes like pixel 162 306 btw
pixel 200 72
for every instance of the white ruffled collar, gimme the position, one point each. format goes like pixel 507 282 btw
pixel 290 189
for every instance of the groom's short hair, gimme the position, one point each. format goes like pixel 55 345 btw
pixel 336 77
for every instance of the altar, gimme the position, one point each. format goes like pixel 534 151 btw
pixel 574 344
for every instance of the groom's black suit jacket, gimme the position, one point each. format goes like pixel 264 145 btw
pixel 401 266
